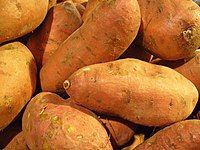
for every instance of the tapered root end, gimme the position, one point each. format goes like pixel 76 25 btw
pixel 66 84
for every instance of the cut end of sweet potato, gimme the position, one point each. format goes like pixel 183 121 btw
pixel 66 84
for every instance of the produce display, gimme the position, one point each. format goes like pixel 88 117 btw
pixel 99 75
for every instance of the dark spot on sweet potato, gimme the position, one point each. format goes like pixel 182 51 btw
pixel 90 51
pixel 126 96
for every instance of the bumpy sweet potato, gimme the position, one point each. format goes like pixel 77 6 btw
pixel 138 91
pixel 103 37
pixel 120 130
pixel 49 122
pixel 17 80
pixel 170 29
pixel 17 143
pixel 19 17
pixel 183 135
pixel 61 21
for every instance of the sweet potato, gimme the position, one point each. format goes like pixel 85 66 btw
pixel 183 135
pixel 103 37
pixel 61 21
pixel 191 70
pixel 121 131
pixel 170 29
pixel 19 17
pixel 17 80
pixel 138 91
pixel 17 143
pixel 49 122
pixel 138 52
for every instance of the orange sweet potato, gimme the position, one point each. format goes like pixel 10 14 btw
pixel 17 143
pixel 121 131
pixel 183 135
pixel 19 17
pixel 50 122
pixel 61 21
pixel 170 29
pixel 138 91
pixel 103 37
pixel 17 80
pixel 191 70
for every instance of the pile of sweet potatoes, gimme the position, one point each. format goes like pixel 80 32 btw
pixel 99 75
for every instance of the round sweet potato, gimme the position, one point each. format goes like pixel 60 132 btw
pixel 19 17
pixel 61 21
pixel 17 80
pixel 183 135
pixel 138 91
pixel 50 122
pixel 170 29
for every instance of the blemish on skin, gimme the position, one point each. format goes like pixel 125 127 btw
pixel 71 129
pixel 188 34
pixel 79 136
pixel 43 109
pixel 86 69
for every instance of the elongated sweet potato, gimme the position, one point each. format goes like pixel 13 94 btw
pixel 103 37
pixel 170 29
pixel 121 131
pixel 17 143
pixel 191 70
pixel 49 122
pixel 17 80
pixel 19 17
pixel 183 135
pixel 138 91
pixel 61 21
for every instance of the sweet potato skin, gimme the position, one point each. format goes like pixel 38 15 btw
pixel 17 80
pixel 17 143
pixel 49 119
pixel 138 91
pixel 103 37
pixel 170 29
pixel 20 17
pixel 191 70
pixel 183 135
pixel 61 21
pixel 91 5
